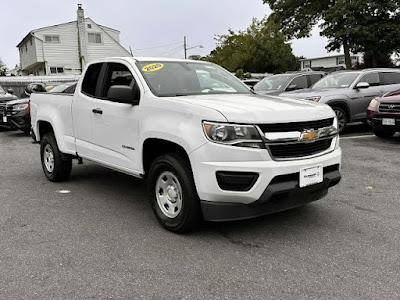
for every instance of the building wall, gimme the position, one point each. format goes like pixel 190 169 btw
pixel 28 53
pixel 113 33
pixel 108 46
pixel 328 62
pixel 63 54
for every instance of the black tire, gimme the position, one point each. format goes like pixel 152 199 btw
pixel 342 118
pixel 61 166
pixel 189 216
pixel 384 134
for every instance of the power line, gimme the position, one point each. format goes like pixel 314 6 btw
pixel 171 50
pixel 155 47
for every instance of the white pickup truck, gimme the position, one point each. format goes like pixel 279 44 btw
pixel 208 147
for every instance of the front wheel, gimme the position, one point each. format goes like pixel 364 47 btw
pixel 384 134
pixel 341 117
pixel 55 167
pixel 173 194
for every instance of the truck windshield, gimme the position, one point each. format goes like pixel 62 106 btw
pixel 339 80
pixel 177 78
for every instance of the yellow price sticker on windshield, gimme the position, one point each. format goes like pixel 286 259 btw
pixel 152 67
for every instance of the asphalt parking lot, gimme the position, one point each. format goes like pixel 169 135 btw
pixel 95 236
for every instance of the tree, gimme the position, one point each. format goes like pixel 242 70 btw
pixel 260 48
pixel 3 68
pixel 355 25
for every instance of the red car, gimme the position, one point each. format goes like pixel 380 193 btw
pixel 383 114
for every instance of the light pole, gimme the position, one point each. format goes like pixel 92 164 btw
pixel 185 48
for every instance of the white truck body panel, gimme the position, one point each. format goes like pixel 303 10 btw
pixel 115 138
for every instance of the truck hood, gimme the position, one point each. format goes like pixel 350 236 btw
pixel 310 93
pixel 252 109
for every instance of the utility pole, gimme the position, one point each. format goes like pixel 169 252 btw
pixel 184 45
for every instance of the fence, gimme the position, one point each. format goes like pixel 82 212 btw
pixel 18 83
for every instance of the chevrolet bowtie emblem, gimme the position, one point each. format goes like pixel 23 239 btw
pixel 309 135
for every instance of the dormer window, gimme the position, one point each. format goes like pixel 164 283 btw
pixel 89 26
pixel 55 39
pixel 94 38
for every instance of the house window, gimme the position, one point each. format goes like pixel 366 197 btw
pixel 94 38
pixel 89 26
pixel 56 70
pixel 26 48
pixel 307 64
pixel 55 39
pixel 340 61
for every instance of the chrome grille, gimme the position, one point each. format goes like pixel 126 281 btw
pixel 389 107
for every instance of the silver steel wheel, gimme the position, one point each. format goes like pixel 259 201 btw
pixel 169 194
pixel 341 117
pixel 48 158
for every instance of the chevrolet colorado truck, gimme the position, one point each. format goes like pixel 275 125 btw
pixel 208 147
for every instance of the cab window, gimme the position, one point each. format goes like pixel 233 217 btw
pixel 89 83
pixel 388 78
pixel 371 78
pixel 300 82
pixel 116 74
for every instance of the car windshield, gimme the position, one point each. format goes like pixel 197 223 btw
pixel 339 80
pixel 178 78
pixel 276 82
pixel 59 88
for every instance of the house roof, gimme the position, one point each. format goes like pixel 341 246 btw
pixel 30 33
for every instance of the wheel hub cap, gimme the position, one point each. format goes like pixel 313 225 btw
pixel 169 194
pixel 48 158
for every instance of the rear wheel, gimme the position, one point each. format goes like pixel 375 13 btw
pixel 384 134
pixel 341 117
pixel 173 194
pixel 55 166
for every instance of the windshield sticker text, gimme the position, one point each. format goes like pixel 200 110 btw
pixel 152 67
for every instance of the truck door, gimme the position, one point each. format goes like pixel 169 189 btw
pixel 82 110
pixel 115 125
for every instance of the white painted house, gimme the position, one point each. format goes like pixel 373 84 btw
pixel 328 62
pixel 66 48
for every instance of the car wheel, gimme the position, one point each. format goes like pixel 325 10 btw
pixel 341 117
pixel 384 134
pixel 55 166
pixel 173 194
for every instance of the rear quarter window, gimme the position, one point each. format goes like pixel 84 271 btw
pixel 388 78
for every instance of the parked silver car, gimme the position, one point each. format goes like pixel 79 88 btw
pixel 350 92
pixel 291 81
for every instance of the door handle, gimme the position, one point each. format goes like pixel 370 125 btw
pixel 97 111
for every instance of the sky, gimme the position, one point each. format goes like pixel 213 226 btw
pixel 145 24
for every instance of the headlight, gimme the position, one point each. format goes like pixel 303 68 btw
pixel 234 135
pixel 314 99
pixel 20 107
pixel 335 123
pixel 374 103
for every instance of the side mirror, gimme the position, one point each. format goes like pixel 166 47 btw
pixel 362 85
pixel 10 91
pixel 291 87
pixel 124 94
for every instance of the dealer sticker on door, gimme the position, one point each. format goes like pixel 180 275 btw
pixel 311 176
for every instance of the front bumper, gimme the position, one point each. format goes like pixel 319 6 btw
pixel 16 120
pixel 278 196
pixel 377 122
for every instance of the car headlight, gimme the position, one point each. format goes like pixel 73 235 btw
pixel 20 107
pixel 374 103
pixel 234 135
pixel 314 99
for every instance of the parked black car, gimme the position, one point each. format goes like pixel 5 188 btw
pixel 5 96
pixel 16 112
